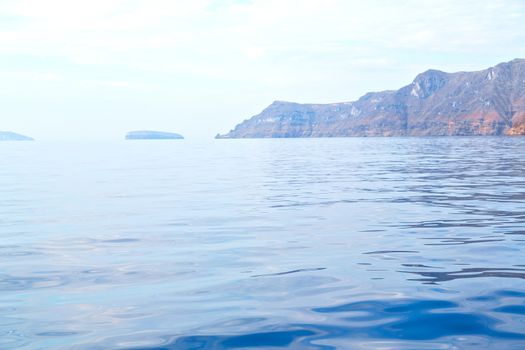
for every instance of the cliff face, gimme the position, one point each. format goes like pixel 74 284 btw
pixel 487 102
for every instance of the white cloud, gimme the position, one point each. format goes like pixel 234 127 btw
pixel 31 75
pixel 116 84
pixel 107 29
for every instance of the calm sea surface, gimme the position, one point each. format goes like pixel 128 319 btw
pixel 379 243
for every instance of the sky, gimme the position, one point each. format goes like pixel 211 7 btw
pixel 96 69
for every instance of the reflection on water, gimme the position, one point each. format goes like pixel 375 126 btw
pixel 395 243
pixel 438 276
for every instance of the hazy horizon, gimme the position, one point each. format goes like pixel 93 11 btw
pixel 99 69
pixel 395 222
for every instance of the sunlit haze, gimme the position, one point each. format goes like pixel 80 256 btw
pixel 97 69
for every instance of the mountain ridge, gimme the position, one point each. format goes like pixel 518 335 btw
pixel 485 102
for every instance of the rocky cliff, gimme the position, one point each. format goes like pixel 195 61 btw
pixel 487 102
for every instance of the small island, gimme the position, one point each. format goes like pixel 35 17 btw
pixel 11 136
pixel 152 135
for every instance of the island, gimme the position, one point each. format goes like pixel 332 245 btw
pixel 436 103
pixel 152 135
pixel 11 136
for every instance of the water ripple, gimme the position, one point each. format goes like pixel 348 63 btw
pixel 362 243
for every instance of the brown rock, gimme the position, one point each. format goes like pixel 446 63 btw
pixel 487 102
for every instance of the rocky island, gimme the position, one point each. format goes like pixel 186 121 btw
pixel 486 102
pixel 11 136
pixel 152 135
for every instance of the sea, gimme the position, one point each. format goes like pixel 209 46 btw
pixel 335 243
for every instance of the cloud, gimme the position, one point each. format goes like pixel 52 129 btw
pixel 116 84
pixel 104 31
pixel 31 75
pixel 248 39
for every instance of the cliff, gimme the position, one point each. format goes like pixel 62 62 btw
pixel 487 102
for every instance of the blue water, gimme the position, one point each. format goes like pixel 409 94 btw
pixel 378 243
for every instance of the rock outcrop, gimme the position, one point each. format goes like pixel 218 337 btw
pixel 487 102
pixel 152 135
pixel 11 136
